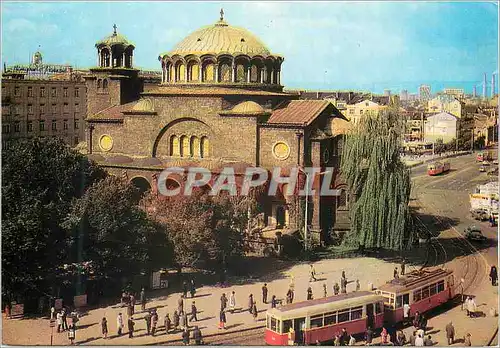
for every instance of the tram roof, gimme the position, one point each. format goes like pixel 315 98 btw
pixel 325 304
pixel 414 280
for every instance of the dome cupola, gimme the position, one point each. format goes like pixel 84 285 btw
pixel 115 51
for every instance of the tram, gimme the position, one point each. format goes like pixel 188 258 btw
pixel 437 168
pixel 321 319
pixel 422 290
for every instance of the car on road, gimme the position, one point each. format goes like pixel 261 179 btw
pixel 474 234
pixel 485 163
pixel 495 162
pixel 482 169
pixel 493 172
pixel 480 214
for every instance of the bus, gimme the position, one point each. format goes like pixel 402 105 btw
pixel 422 290
pixel 321 319
pixel 437 168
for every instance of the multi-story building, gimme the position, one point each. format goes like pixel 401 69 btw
pixel 441 126
pixel 371 105
pixel 424 92
pixel 445 103
pixel 455 92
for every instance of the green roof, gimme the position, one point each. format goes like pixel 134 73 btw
pixel 114 39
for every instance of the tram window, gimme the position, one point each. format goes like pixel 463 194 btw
pixel 317 321
pixel 378 308
pixel 330 318
pixel 406 299
pixel 399 301
pixel 440 286
pixel 343 316
pixel 287 325
pixel 425 292
pixel 417 295
pixel 356 313
pixel 432 289
pixel 273 324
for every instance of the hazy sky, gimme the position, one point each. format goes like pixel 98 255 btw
pixel 326 45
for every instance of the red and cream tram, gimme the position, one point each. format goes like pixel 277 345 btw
pixel 437 168
pixel 321 319
pixel 422 290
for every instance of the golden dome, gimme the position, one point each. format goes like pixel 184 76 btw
pixel 221 38
pixel 248 107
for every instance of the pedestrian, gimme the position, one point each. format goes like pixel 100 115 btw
pixel 309 294
pixel 154 322
pixel 131 324
pixel 71 334
pixel 104 327
pixel 423 323
pixel 147 319
pixel 343 280
pixel 197 336
pixel 273 301
pixel 232 302
pixel 336 341
pixel 180 305
pixel 250 303
pixel 185 336
pixel 130 309
pixel 182 320
pixel 167 323
pixel 143 300
pixel 400 338
pixel 59 321
pixel 467 341
pixel 403 266
pixel 222 319
pixel 369 336
pixel 344 337
pixel 254 311
pixel 406 313
pixel 413 337
pixel 175 319
pixel 416 320
pixel 264 293
pixel 358 286
pixel 343 286
pixel 52 313
pixel 493 275
pixel 352 341
pixel 289 296
pixel 184 289
pixel 193 313
pixel 132 302
pixel 336 289
pixel 64 319
pixel 313 273
pixel 450 333
pixel 471 307
pixel 396 276
pixel 325 293
pixel 223 301
pixel 192 288
pixel 384 335
pixel 428 341
pixel 119 323
pixel 419 341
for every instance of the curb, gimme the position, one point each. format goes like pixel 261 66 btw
pixel 209 335
pixel 437 158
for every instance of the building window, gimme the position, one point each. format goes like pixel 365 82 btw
pixel 30 108
pixel 17 91
pixel 77 92
pixel 77 123
pixel 42 125
pixel 30 126
pixel 77 107
pixel 30 91
pixel 361 112
pixel 65 124
pixel 42 109
pixel 54 125
pixel 42 91
pixel 54 108
pixel 6 128
pixel 53 93
pixel 105 84
pixel 17 127
pixel 65 107
pixel 18 109
pixel 75 141
pixel 65 92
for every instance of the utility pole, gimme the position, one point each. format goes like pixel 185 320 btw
pixel 472 140
pixel 305 213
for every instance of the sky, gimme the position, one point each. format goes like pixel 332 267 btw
pixel 369 46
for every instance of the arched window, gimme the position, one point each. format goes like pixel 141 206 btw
pixel 254 73
pixel 269 74
pixel 195 147
pixel 193 71
pixel 105 84
pixel 204 147
pixel 225 72
pixel 184 146
pixel 180 71
pixel 174 146
pixel 240 73
pixel 209 72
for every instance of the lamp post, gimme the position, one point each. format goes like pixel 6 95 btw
pixel 462 281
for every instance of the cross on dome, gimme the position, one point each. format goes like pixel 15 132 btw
pixel 114 29
pixel 221 14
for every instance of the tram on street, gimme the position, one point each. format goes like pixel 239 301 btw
pixel 437 168
pixel 422 290
pixel 321 319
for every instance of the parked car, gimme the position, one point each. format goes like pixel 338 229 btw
pixel 493 172
pixel 485 163
pixel 480 214
pixel 474 234
pixel 482 169
pixel 495 161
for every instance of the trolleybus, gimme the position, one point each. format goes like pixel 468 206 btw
pixel 437 168
pixel 321 319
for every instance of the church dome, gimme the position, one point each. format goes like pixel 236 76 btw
pixel 114 39
pixel 248 107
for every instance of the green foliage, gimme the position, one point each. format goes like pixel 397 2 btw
pixel 379 183
pixel 480 142
pixel 40 177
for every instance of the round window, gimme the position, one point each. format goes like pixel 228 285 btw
pixel 106 142
pixel 281 150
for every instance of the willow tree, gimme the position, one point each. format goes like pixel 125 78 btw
pixel 378 183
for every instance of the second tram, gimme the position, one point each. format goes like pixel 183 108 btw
pixel 437 168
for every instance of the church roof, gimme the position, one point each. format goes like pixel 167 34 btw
pixel 210 91
pixel 113 113
pixel 114 39
pixel 298 112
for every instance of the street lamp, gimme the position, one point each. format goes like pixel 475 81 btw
pixel 462 281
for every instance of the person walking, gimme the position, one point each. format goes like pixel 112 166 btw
pixel 467 341
pixel 352 341
pixel 104 327
pixel 184 289
pixel 369 336
pixel 185 336
pixel 197 336
pixel 176 320
pixel 289 296
pixel 119 323
pixel 416 320
pixel 309 294
pixel 313 273
pixel 180 305
pixel 396 276
pixel 232 302
pixel 384 335
pixel 147 319
pixel 250 303
pixel 64 319
pixel 493 275
pixel 130 309
pixel 403 267
pixel 223 302
pixel 423 323
pixel 154 322
pixel 182 320
pixel 167 323
pixel 450 333
pixel 406 313
pixel 72 334
pixel 358 286
pixel 192 288
pixel 325 293
pixel 132 302
pixel 193 313
pixel 59 321
pixel 343 286
pixel 131 324
pixel 264 293
pixel 336 289
pixel 471 307
pixel 143 300
pixel 273 301
pixel 222 319
pixel 254 311
pixel 344 337
pixel 413 337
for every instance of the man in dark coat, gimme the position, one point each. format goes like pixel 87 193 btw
pixel 450 333
pixel 184 289
pixel 192 288
pixel 130 324
pixel 344 337
pixel 147 318
pixel 185 336
pixel 193 313
pixel 250 303
pixel 493 275
pixel 309 294
pixel 223 302
pixel 264 293
pixel 197 336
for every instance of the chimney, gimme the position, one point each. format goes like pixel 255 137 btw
pixel 492 85
pixel 474 92
pixel 484 86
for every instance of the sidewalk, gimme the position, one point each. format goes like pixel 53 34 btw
pixel 413 162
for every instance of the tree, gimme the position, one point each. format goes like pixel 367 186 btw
pixel 40 178
pixel 480 142
pixel 379 183
pixel 109 229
